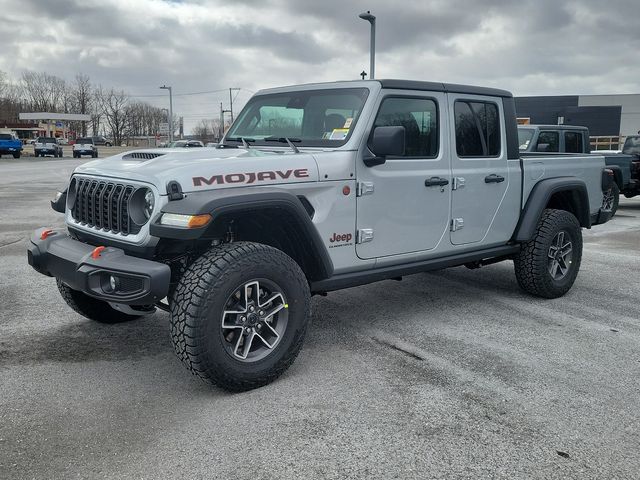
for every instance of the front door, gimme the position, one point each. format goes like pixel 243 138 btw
pixel 479 165
pixel 403 204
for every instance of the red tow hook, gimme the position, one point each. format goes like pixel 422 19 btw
pixel 97 251
pixel 46 233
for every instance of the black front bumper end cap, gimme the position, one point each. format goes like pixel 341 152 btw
pixel 138 281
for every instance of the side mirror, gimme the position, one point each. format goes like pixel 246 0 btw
pixel 385 141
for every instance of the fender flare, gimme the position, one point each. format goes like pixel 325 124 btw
pixel 539 199
pixel 617 175
pixel 225 201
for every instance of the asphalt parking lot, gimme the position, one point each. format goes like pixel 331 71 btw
pixel 453 374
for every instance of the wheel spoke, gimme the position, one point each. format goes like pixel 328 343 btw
pixel 253 311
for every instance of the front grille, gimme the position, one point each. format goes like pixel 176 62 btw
pixel 104 205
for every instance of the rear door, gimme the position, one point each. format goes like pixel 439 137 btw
pixel 404 204
pixel 479 165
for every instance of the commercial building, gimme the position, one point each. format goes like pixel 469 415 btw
pixel 609 118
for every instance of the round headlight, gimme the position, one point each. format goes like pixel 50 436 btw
pixel 149 203
pixel 141 205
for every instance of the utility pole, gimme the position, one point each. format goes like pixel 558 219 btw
pixel 222 112
pixel 164 87
pixel 231 102
pixel 372 60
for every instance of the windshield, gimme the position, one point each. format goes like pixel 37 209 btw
pixel 313 118
pixel 524 137
pixel 632 145
pixel 85 141
pixel 46 140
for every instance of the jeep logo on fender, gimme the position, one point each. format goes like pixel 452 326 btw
pixel 250 177
pixel 338 237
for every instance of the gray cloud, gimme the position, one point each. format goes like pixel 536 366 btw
pixel 529 46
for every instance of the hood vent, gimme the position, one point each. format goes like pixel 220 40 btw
pixel 141 155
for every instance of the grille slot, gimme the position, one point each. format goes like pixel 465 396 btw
pixel 104 205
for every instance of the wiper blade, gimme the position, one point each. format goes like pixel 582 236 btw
pixel 285 140
pixel 244 140
pixel 282 139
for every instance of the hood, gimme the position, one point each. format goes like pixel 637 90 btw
pixel 205 168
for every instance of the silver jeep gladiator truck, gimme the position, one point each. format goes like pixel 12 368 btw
pixel 314 188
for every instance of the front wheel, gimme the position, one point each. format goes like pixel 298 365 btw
pixel 239 315
pixel 548 264
pixel 16 155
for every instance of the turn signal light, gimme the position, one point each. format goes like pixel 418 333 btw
pixel 185 221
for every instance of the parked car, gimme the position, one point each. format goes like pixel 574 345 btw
pixel 10 144
pixel 100 140
pixel 186 144
pixel 212 144
pixel 85 146
pixel 47 146
pixel 555 139
pixel 362 181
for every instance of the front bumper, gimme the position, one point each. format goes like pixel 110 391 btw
pixel 138 281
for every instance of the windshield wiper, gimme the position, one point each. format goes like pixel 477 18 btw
pixel 244 140
pixel 285 140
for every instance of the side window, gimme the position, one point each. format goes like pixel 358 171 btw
pixel 477 129
pixel 573 142
pixel 419 117
pixel 548 142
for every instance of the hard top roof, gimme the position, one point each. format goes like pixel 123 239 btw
pixel 399 85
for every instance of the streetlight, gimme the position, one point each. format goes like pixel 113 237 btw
pixel 164 87
pixel 372 20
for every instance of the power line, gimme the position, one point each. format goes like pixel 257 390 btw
pixel 185 94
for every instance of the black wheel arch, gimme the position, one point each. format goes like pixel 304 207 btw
pixel 264 215
pixel 562 193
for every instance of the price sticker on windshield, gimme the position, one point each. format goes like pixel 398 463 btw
pixel 339 134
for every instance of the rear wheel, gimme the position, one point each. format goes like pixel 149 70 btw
pixel 547 265
pixel 92 308
pixel 239 315
pixel 611 200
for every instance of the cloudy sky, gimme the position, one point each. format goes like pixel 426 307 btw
pixel 526 46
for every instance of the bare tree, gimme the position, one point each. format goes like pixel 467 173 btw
pixel 114 107
pixel 43 92
pixel 82 99
pixel 207 130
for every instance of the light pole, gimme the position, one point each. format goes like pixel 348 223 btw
pixel 164 87
pixel 372 63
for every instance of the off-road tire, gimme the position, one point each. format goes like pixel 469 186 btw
pixel 198 302
pixel 531 263
pixel 92 308
pixel 615 191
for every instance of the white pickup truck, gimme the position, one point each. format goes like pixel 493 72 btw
pixel 314 188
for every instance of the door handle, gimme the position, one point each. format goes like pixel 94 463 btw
pixel 493 178
pixel 436 182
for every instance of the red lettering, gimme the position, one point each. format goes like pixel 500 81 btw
pixel 301 173
pixel 234 178
pixel 266 176
pixel 284 175
pixel 198 181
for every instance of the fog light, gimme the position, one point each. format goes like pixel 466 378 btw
pixel 114 283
